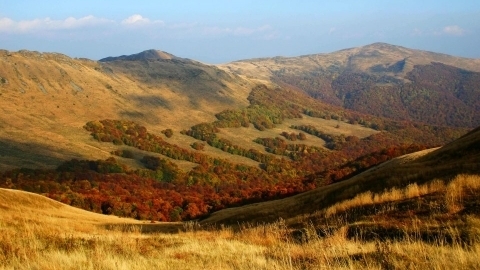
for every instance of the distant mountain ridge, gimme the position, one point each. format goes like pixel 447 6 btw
pixel 383 80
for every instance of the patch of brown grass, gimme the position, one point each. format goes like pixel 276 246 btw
pixel 38 233
pixel 453 191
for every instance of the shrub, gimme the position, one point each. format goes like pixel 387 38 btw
pixel 168 132
pixel 198 146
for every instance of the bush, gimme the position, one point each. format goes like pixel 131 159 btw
pixel 123 153
pixel 198 146
pixel 168 132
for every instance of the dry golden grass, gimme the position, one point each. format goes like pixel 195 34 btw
pixel 37 233
pixel 49 97
pixel 453 191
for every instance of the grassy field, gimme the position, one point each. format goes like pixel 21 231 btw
pixel 38 233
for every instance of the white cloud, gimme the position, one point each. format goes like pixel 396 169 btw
pixel 453 30
pixel 135 19
pixel 6 24
pixel 9 25
pixel 138 19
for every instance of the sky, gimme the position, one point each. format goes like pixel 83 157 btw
pixel 215 32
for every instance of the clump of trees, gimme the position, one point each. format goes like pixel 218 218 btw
pixel 198 146
pixel 293 136
pixel 123 153
pixel 333 142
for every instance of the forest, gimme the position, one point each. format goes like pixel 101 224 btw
pixel 435 94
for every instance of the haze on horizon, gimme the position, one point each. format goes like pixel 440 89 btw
pixel 214 31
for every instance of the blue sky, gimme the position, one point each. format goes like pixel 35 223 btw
pixel 214 31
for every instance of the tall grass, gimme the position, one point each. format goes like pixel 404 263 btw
pixel 453 191
pixel 261 247
pixel 30 242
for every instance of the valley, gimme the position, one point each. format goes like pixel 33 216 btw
pixel 256 163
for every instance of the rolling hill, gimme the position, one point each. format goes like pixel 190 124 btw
pixel 160 137
pixel 381 79
pixel 47 98
pixel 362 158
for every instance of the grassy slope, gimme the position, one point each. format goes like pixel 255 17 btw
pixel 47 98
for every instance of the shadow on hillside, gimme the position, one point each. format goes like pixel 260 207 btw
pixel 150 101
pixel 147 227
pixel 31 155
pixel 137 116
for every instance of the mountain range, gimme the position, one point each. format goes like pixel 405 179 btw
pixel 362 158
pixel 381 79
pixel 48 97
pixel 305 121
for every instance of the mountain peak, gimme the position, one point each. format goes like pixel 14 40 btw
pixel 381 45
pixel 148 55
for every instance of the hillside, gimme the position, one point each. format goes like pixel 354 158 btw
pixel 151 176
pixel 381 79
pixel 158 137
pixel 283 163
pixel 418 227
pixel 46 99
pixel 459 157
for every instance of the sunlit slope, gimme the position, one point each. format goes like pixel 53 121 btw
pixel 44 210
pixel 47 98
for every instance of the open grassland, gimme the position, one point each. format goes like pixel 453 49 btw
pixel 37 233
pixel 47 98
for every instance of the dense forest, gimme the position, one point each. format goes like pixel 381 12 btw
pixel 435 94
